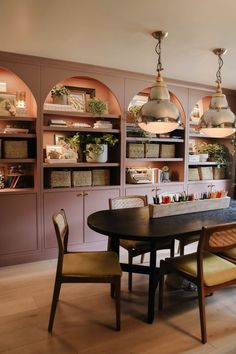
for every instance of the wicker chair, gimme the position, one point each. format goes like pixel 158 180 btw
pixel 136 248
pixel 83 267
pixel 205 267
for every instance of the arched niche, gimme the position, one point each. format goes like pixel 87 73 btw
pixel 142 97
pixel 13 85
pixel 88 87
pixel 199 108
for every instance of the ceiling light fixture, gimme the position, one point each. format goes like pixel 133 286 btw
pixel 159 115
pixel 219 120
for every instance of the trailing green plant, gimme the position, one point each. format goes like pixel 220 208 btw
pixel 74 141
pixel 97 142
pixel 134 111
pixel 96 106
pixel 216 152
pixel 59 90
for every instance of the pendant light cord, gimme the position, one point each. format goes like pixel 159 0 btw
pixel 218 73
pixel 158 51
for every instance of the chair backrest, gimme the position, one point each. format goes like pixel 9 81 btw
pixel 217 238
pixel 62 230
pixel 132 201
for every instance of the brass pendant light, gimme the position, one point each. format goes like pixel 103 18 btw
pixel 159 115
pixel 219 120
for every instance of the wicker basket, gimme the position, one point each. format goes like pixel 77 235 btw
pixel 135 150
pixel 101 177
pixel 193 174
pixel 81 178
pixel 15 149
pixel 152 150
pixel 219 172
pixel 206 173
pixel 59 179
pixel 167 150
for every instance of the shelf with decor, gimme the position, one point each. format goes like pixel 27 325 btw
pixel 18 135
pixel 81 144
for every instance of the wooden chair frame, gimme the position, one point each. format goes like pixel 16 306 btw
pixel 136 251
pixel 210 241
pixel 62 239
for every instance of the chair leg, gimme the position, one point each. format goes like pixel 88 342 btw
pixel 56 294
pixel 142 258
pixel 130 271
pixel 202 313
pixel 117 298
pixel 172 248
pixel 112 290
pixel 181 247
pixel 161 288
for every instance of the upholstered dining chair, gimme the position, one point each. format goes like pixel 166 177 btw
pixel 83 267
pixel 136 248
pixel 205 267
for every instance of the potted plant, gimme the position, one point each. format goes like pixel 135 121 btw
pixel 96 148
pixel 60 94
pixel 133 112
pixel 96 106
pixel 75 143
pixel 202 150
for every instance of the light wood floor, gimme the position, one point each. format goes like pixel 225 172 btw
pixel 85 317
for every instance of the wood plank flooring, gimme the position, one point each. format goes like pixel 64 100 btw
pixel 85 318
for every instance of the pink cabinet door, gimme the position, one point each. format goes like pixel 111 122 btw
pixel 72 203
pixel 94 201
pixel 18 226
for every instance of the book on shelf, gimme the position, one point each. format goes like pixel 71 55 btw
pixel 57 122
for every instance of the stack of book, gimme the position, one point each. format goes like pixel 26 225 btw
pixel 99 124
pixel 57 123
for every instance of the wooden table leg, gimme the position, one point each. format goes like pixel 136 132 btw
pixel 115 245
pixel 152 284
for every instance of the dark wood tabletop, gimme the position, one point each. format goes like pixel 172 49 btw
pixel 135 224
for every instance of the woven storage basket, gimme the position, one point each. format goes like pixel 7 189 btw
pixel 101 177
pixel 135 150
pixel 206 172
pixel 167 150
pixel 59 179
pixel 193 174
pixel 152 150
pixel 14 149
pixel 81 178
pixel 219 172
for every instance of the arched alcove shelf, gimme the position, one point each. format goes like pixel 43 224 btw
pixel 18 134
pixel 65 119
pixel 149 153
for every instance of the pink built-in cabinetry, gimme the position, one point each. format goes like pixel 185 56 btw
pixel 28 200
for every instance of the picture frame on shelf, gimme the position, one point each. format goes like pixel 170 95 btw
pixel 79 95
pixel 59 139
pixel 7 104
pixel 139 100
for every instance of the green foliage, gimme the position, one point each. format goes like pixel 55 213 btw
pixel 216 152
pixel 98 140
pixel 96 106
pixel 59 90
pixel 74 141
pixel 134 111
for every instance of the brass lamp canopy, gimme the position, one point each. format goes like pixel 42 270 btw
pixel 159 115
pixel 219 120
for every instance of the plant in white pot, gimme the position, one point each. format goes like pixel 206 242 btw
pixel 202 150
pixel 96 149
pixel 60 94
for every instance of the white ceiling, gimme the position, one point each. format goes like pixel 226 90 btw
pixel 117 34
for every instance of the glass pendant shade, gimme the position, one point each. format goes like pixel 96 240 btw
pixel 219 120
pixel 159 115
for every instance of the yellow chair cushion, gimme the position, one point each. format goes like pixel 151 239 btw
pixel 231 253
pixel 94 264
pixel 216 270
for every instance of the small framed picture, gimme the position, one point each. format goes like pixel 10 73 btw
pixel 7 104
pixel 79 95
pixel 59 139
pixel 138 100
pixel 53 151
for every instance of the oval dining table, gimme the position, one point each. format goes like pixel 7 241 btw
pixel 135 224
